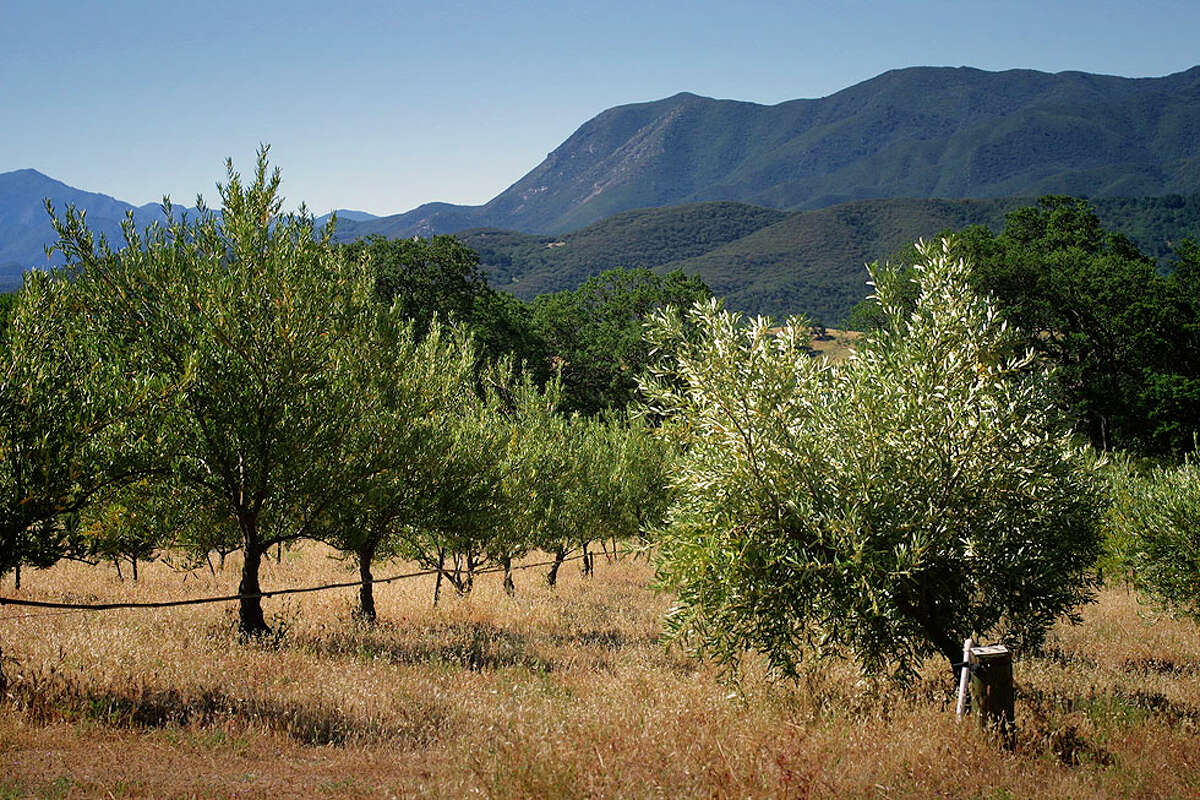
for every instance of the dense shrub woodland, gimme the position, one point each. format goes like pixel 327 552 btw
pixel 237 381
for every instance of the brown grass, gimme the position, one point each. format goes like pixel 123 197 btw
pixel 561 693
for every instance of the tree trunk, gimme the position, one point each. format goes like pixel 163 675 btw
pixel 208 558
pixel 559 556
pixel 17 576
pixel 437 583
pixel 279 553
pixel 117 564
pixel 470 581
pixel 585 569
pixel 366 590
pixel 509 588
pixel 947 644
pixel 133 562
pixel 250 614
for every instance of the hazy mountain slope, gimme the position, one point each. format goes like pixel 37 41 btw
pixel 25 228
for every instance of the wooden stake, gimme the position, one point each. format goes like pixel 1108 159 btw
pixel 992 690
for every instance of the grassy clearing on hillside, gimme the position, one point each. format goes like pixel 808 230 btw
pixel 836 345
pixel 561 693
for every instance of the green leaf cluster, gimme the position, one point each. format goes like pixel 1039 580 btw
pixel 1154 533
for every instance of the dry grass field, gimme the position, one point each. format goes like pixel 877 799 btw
pixel 551 693
pixel 836 345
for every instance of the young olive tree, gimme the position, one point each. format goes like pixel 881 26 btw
pixel 885 507
pixel 639 471
pixel 512 439
pixel 556 492
pixel 436 465
pixel 66 403
pixel 1155 534
pixel 259 323
pixel 132 526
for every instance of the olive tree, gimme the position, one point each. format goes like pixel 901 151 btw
pixel 435 479
pixel 1154 527
pixel 66 404
pixel 258 322
pixel 886 507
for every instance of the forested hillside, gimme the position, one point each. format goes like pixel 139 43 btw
pixel 528 265
pixel 766 262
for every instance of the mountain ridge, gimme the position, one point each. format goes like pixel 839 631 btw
pixel 946 132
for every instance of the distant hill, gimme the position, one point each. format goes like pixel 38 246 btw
pixel 766 262
pixel 917 132
pixel 25 229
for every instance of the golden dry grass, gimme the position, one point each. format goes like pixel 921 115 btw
pixel 562 693
pixel 836 345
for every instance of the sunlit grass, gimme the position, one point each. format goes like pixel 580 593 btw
pixel 550 693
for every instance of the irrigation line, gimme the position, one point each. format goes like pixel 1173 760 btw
pixel 79 607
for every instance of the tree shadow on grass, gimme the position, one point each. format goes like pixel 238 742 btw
pixel 50 696
pixel 473 646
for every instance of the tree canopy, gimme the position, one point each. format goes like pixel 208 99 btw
pixel 259 325
pixel 887 506
pixel 594 333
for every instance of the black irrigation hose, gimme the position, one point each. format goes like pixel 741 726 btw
pixel 13 601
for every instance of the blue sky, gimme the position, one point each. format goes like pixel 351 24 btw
pixel 382 106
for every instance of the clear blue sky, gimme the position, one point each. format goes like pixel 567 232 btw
pixel 382 106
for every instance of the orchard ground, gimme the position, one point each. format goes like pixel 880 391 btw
pixel 550 693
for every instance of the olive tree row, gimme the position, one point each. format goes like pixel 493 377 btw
pixel 1154 533
pixel 233 381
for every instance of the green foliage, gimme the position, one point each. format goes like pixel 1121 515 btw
pixel 1154 525
pixel 1124 338
pixel 435 482
pixel 887 506
pixel 260 324
pixel 577 480
pixel 594 334
pixel 426 278
pixel 66 406
pixel 133 524
pixel 7 301
pixel 440 278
